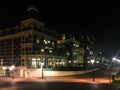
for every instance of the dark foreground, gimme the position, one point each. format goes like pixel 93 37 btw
pixel 58 86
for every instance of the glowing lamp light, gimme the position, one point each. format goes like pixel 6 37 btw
pixel 12 66
pixel 114 58
pixel 92 61
pixel 42 64
pixel 4 68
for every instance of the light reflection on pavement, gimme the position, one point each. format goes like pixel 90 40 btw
pixel 58 83
pixel 59 79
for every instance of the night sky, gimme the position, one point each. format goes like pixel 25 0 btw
pixel 100 19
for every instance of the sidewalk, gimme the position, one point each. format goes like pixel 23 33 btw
pixel 15 79
pixel 54 79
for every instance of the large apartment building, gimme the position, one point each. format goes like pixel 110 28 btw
pixel 30 43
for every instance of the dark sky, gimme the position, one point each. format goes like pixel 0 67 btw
pixel 101 19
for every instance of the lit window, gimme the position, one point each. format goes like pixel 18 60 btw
pixel 58 42
pixel 91 52
pixel 63 37
pixel 88 61
pixel 37 41
pixel 74 44
pixel 38 58
pixel 77 45
pixel 49 42
pixel 33 62
pixel 68 53
pixel 50 51
pixel 45 42
pixel 74 53
pixel 42 50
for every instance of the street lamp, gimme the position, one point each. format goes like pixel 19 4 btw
pixel 93 61
pixel 12 68
pixel 42 64
pixel 109 68
pixel 113 58
pixel 113 65
pixel 4 68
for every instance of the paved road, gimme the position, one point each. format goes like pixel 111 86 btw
pixel 79 82
pixel 58 86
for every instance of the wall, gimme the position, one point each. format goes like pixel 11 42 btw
pixel 38 73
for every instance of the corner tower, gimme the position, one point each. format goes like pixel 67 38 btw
pixel 32 12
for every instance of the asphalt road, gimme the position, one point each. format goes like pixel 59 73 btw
pixel 79 82
pixel 58 86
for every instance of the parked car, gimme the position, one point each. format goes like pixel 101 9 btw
pixel 116 78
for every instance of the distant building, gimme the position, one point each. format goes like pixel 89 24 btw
pixel 88 43
pixel 70 47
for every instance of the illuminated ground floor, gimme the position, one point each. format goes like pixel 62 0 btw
pixel 49 61
pixel 31 63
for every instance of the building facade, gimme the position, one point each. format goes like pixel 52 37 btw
pixel 70 48
pixel 30 43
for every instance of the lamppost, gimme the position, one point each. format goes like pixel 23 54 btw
pixel 109 65
pixel 42 64
pixel 12 68
pixel 92 62
pixel 4 68
pixel 114 62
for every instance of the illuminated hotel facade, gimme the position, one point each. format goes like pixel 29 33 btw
pixel 30 43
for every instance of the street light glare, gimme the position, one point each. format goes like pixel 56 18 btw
pixel 114 58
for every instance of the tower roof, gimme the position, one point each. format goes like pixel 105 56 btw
pixel 32 11
pixel 32 8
